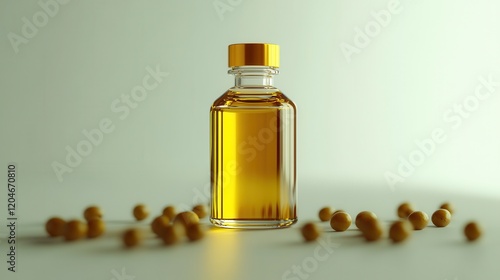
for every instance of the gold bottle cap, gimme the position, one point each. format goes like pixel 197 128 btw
pixel 258 54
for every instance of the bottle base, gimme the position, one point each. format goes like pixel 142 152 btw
pixel 253 224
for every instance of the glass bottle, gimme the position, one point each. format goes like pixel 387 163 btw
pixel 252 145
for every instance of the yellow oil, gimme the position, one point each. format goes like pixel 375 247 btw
pixel 253 160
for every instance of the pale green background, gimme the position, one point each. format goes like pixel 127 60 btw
pixel 354 119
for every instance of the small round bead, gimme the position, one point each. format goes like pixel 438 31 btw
pixel 325 214
pixel 75 230
pixel 441 218
pixel 159 224
pixel 141 212
pixel 96 228
pixel 340 221
pixel 363 217
pixel 132 237
pixel 55 227
pixel 200 210
pixel 405 209
pixel 419 220
pixel 400 230
pixel 372 230
pixel 448 206
pixel 169 211
pixel 310 232
pixel 171 234
pixel 472 231
pixel 194 232
pixel 92 212
pixel 186 218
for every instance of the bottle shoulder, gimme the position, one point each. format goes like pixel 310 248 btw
pixel 253 98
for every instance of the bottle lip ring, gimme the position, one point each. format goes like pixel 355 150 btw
pixel 253 70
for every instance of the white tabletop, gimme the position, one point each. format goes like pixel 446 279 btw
pixel 433 253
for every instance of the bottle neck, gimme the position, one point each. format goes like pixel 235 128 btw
pixel 253 76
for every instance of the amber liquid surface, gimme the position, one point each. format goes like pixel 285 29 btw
pixel 253 160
